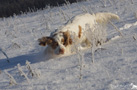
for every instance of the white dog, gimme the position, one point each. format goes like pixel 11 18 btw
pixel 60 41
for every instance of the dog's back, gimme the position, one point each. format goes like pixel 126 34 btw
pixel 87 19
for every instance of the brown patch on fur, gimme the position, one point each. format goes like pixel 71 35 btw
pixel 67 39
pixel 48 41
pixel 45 40
pixel 54 45
pixel 80 31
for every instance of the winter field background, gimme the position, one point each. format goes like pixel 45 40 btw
pixel 114 66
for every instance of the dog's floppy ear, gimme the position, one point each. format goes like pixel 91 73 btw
pixel 67 38
pixel 45 40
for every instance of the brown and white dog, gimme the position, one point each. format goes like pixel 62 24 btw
pixel 60 41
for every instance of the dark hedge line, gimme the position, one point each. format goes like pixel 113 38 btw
pixel 11 7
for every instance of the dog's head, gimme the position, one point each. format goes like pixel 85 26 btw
pixel 57 41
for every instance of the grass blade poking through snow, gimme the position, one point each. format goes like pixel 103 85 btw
pixel 12 80
pixel 5 55
pixel 22 73
pixel 96 37
pixel 33 73
pixel 116 28
pixel 77 48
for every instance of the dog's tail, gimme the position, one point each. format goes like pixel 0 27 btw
pixel 105 18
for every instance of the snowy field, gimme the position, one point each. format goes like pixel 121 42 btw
pixel 114 66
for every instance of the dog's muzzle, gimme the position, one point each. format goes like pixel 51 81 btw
pixel 59 51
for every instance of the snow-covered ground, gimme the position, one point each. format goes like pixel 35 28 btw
pixel 114 67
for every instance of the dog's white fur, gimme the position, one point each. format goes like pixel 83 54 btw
pixel 77 26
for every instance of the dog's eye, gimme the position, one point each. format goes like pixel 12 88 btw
pixel 56 44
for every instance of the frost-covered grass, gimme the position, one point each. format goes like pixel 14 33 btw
pixel 115 63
